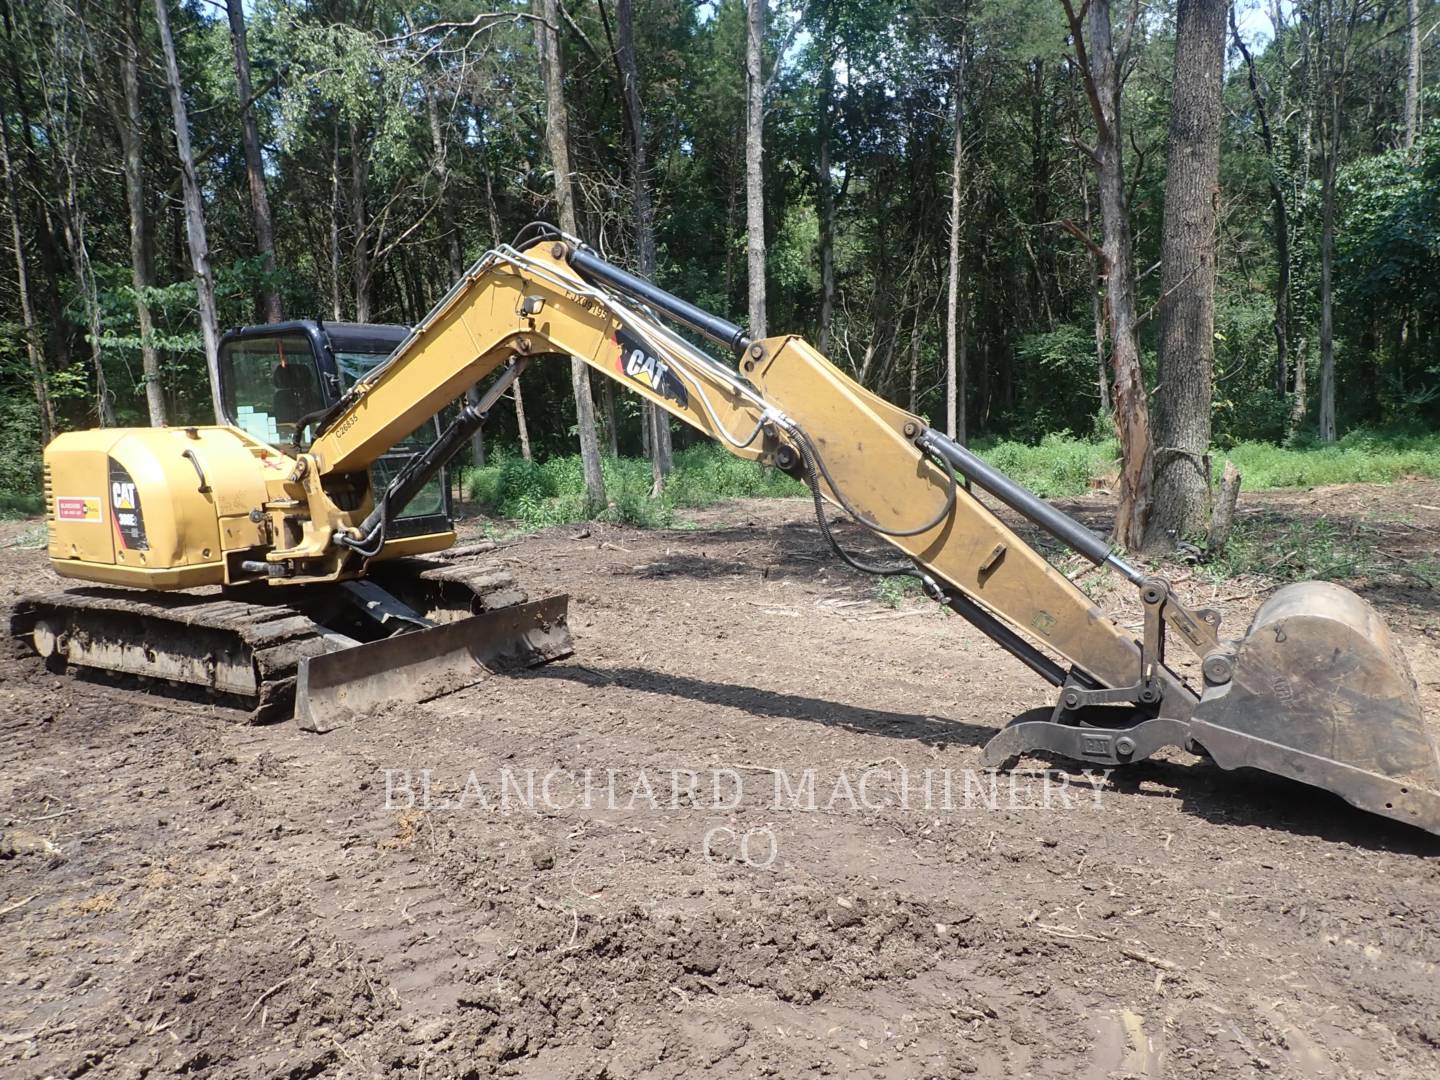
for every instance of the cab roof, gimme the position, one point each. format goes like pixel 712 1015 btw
pixel 348 337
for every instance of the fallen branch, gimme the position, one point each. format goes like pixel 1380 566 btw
pixel 15 906
pixel 1146 958
pixel 262 998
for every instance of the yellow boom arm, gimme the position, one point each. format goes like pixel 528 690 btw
pixel 786 405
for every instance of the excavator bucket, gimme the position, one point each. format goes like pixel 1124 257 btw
pixel 1319 692
pixel 341 687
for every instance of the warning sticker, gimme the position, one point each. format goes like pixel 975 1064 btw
pixel 77 507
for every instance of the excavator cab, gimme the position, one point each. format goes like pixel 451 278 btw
pixel 276 379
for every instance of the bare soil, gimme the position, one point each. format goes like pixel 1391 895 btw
pixel 182 894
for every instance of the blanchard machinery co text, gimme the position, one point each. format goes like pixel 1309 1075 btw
pixel 871 789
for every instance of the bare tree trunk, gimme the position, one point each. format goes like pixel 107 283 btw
pixel 1280 217
pixel 493 216
pixel 1187 278
pixel 656 420
pixel 335 310
pixel 64 131
pixel 1097 303
pixel 755 162
pixel 1336 46
pixel 194 208
pixel 34 346
pixel 1412 77
pixel 254 167
pixel 47 229
pixel 824 182
pixel 913 400
pixel 1223 519
pixel 130 123
pixel 361 272
pixel 955 374
pixel 557 138
pixel 1100 66
pixel 454 260
pixel 521 426
pixel 1327 287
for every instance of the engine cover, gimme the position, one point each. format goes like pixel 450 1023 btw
pixel 155 508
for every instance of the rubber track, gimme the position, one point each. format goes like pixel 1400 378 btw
pixel 276 635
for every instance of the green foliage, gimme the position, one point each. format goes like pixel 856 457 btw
pixel 19 455
pixel 1060 465
pixel 1359 457
pixel 894 591
pixel 541 494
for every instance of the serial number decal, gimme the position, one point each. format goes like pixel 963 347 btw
pixel 77 507
pixel 637 363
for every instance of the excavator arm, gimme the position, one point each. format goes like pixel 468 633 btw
pixel 1335 707
pixel 784 404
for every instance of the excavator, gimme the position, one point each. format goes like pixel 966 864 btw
pixel 278 556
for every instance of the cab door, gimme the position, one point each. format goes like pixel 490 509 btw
pixel 276 380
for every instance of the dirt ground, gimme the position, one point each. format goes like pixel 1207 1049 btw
pixel 180 893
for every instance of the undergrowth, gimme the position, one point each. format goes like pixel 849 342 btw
pixel 539 494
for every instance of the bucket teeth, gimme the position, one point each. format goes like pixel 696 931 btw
pixel 1320 693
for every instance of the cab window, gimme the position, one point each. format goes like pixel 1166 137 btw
pixel 269 385
pixel 431 498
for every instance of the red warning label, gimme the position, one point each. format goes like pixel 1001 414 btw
pixel 77 507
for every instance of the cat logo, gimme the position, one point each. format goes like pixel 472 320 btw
pixel 637 363
pixel 126 516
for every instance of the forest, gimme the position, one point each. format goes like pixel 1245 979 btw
pixel 1165 228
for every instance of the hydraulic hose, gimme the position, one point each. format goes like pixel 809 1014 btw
pixel 814 467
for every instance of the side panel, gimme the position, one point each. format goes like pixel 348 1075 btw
pixel 78 517
pixel 143 506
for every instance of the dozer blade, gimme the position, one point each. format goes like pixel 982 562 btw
pixel 1321 694
pixel 341 687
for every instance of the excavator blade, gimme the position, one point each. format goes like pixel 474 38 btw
pixel 1320 693
pixel 341 687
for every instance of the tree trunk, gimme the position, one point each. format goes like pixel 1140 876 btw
pixel 1187 278
pixel 656 420
pixel 194 208
pixel 130 123
pixel 454 259
pixel 64 137
pixel 557 138
pixel 1335 65
pixel 361 273
pixel 1100 68
pixel 823 180
pixel 48 243
pixel 755 162
pixel 1097 303
pixel 493 216
pixel 520 425
pixel 1223 519
pixel 1279 213
pixel 955 374
pixel 254 167
pixel 335 311
pixel 34 346
pixel 1327 287
pixel 1412 77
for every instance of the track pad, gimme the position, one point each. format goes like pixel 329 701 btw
pixel 341 687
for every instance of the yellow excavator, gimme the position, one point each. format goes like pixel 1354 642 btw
pixel 267 557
